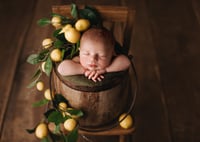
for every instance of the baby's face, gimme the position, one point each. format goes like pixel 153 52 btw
pixel 95 56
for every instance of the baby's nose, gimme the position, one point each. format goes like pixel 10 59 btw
pixel 94 58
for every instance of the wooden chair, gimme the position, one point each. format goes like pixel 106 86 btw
pixel 119 20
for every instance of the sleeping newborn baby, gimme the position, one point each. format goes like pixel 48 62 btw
pixel 97 56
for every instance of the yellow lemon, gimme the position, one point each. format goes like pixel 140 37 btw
pixel 65 28
pixel 47 94
pixel 56 55
pixel 126 122
pixel 62 106
pixel 82 25
pixel 47 42
pixel 72 35
pixel 40 85
pixel 43 66
pixel 72 116
pixel 70 124
pixel 41 131
pixel 56 21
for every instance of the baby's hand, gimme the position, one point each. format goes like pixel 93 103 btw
pixel 95 75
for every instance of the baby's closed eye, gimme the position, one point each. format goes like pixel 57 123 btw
pixel 86 53
pixel 103 56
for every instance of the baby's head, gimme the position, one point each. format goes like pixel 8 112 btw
pixel 96 48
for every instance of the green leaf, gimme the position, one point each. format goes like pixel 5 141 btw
pixel 33 59
pixel 30 131
pixel 56 117
pixel 68 21
pixel 33 83
pixel 43 21
pixel 57 129
pixel 43 55
pixel 91 14
pixel 74 11
pixel 45 139
pixel 61 37
pixel 48 112
pixel 58 43
pixel 48 66
pixel 72 136
pixel 78 113
pixel 59 98
pixel 37 74
pixel 73 50
pixel 40 103
pixel 63 53
pixel 56 32
pixel 119 49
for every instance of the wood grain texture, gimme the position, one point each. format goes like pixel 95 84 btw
pixel 176 37
pixel 110 13
pixel 150 114
pixel 11 45
pixel 19 114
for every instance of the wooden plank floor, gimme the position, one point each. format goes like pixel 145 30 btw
pixel 165 43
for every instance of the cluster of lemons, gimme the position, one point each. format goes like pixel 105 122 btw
pixel 71 34
pixel 70 124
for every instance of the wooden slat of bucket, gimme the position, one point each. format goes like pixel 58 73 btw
pixel 108 13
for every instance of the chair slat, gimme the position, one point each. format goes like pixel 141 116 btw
pixel 108 13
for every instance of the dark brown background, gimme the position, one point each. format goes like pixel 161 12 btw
pixel 165 44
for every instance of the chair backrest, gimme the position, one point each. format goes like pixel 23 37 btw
pixel 118 19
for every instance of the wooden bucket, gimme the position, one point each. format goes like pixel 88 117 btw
pixel 101 102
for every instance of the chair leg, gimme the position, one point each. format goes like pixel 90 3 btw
pixel 129 137
pixel 121 138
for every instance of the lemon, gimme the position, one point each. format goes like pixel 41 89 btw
pixel 47 94
pixel 82 25
pixel 56 21
pixel 70 124
pixel 47 42
pixel 72 35
pixel 43 66
pixel 65 28
pixel 72 116
pixel 62 106
pixel 56 55
pixel 41 131
pixel 126 122
pixel 40 85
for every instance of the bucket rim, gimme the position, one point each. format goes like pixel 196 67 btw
pixel 111 80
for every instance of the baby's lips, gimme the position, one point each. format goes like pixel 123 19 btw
pixel 93 65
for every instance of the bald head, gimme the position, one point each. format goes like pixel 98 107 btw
pixel 99 35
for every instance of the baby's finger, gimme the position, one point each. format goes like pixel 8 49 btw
pixel 94 79
pixel 101 76
pixel 99 79
pixel 91 75
pixel 87 73
pixel 95 75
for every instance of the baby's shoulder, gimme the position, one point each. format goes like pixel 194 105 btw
pixel 76 59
